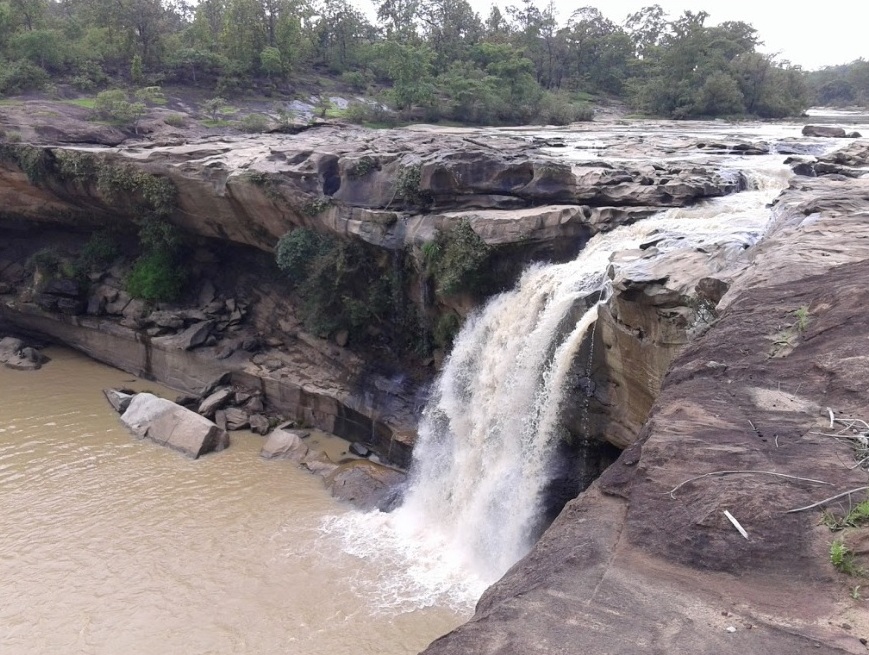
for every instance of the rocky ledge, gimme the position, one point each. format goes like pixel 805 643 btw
pixel 394 191
pixel 647 558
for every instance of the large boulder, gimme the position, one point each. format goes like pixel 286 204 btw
pixel 15 354
pixel 824 131
pixel 173 426
pixel 366 484
pixel 285 444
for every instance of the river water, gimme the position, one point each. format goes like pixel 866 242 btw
pixel 111 545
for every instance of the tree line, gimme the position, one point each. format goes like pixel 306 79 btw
pixel 427 59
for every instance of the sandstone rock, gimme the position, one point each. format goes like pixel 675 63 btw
pixel 189 339
pixel 824 131
pixel 255 405
pixel 215 401
pixel 171 425
pixel 285 444
pixel 135 310
pixel 16 355
pixel 166 319
pixel 319 463
pixel 250 344
pixel 188 400
pixel 359 449
pixel 365 484
pixel 711 289
pixel 206 293
pixel 220 419
pixel 236 419
pixel 259 424
pixel 119 303
pixel 62 287
pixel 11 345
pixel 119 400
pixel 215 307
pixel 221 380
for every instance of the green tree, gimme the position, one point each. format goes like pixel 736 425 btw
pixel 271 62
pixel 136 72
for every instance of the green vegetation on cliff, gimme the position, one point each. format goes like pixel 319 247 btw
pixel 425 60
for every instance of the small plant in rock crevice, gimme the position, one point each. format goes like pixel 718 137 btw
pixel 316 206
pixel 407 187
pixel 842 559
pixel 363 167
pixel 266 182
pixel 802 315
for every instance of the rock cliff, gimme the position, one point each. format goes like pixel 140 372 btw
pixel 392 191
pixel 646 559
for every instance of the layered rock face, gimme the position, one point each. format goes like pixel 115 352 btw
pixel 646 558
pixel 394 191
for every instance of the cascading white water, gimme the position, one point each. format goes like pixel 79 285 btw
pixel 489 430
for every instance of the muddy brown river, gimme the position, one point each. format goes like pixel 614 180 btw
pixel 111 545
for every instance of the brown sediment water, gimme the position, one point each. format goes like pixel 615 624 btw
pixel 111 545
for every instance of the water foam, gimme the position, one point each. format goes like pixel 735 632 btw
pixel 487 434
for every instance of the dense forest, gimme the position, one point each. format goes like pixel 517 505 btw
pixel 423 59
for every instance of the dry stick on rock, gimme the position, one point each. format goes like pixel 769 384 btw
pixel 826 500
pixel 779 475
pixel 857 437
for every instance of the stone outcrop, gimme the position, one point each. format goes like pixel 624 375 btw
pixel 167 424
pixel 16 354
pixel 285 444
pixel 390 189
pixel 366 484
pixel 828 131
pixel 646 557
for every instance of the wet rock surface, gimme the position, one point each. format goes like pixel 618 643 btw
pixel 646 557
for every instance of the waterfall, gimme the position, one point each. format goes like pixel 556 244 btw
pixel 481 461
pixel 485 437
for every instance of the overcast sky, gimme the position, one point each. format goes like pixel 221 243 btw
pixel 820 35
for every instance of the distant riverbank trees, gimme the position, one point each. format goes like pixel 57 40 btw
pixel 427 59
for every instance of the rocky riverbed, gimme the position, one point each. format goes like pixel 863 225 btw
pixel 702 363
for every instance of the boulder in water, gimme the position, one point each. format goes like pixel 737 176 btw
pixel 119 400
pixel 824 131
pixel 285 444
pixel 366 484
pixel 173 426
pixel 259 424
pixel 15 354
pixel 236 419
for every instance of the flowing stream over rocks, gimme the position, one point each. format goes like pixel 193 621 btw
pixel 473 507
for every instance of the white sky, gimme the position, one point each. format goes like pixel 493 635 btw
pixel 813 37
pixel 809 34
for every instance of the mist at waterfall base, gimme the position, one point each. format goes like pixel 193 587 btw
pixel 473 503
